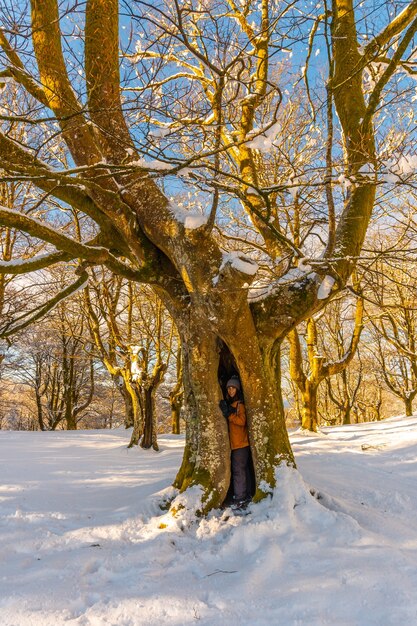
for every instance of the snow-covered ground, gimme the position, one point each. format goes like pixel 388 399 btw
pixel 83 541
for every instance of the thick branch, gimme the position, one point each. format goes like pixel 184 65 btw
pixel 24 266
pixel 17 71
pixel 60 96
pixel 395 27
pixel 103 77
pixel 20 162
pixel 358 139
pixel 35 228
pixel 296 360
pixel 389 71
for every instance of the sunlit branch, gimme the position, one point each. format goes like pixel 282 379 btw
pixel 25 266
pixel 35 228
pixel 395 27
pixel 392 66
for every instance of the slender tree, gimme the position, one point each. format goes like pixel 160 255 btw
pixel 319 369
pixel 131 332
pixel 345 396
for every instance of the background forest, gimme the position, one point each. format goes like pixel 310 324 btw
pixel 55 376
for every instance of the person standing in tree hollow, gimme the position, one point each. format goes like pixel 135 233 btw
pixel 233 410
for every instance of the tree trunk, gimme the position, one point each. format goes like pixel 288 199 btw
pixel 150 384
pixel 176 396
pixel 39 410
pixel 175 416
pixel 70 418
pixel 184 476
pixel 408 401
pixel 70 421
pixel 206 460
pixel 129 411
pixel 207 452
pixel 149 438
pixel 378 405
pixel 346 414
pixel 138 412
pixel 309 419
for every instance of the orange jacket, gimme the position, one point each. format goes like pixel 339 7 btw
pixel 238 430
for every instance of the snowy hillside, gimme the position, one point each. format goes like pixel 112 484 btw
pixel 83 541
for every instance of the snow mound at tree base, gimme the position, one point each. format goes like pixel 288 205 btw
pixel 294 511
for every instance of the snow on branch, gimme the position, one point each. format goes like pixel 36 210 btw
pixel 400 168
pixel 40 230
pixel 325 288
pixel 152 165
pixel 24 266
pixel 240 262
pixel 264 140
pixel 191 219
pixel 243 264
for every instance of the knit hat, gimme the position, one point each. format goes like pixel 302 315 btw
pixel 234 382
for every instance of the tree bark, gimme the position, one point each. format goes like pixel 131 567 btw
pixel 149 438
pixel 39 410
pixel 129 412
pixel 309 419
pixel 137 409
pixel 408 402
pixel 70 421
pixel 176 396
pixel 346 414
pixel 175 416
pixel 150 386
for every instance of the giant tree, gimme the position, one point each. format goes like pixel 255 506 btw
pixel 225 59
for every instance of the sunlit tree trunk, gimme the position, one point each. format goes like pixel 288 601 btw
pixel 408 401
pixel 207 455
pixel 176 396
pixel 309 419
pixel 150 386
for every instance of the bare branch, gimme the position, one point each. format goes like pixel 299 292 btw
pixel 36 314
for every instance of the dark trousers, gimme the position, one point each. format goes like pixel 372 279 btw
pixel 240 463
